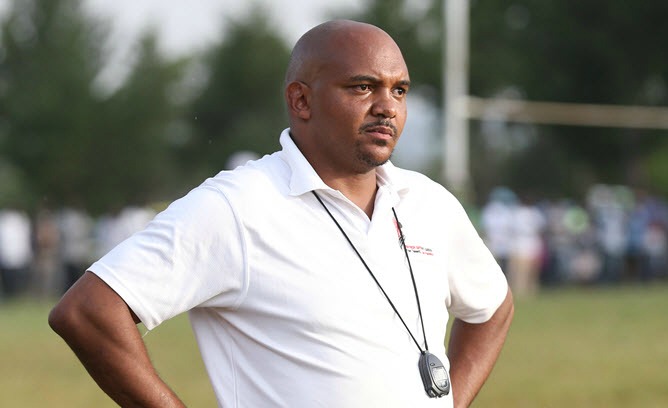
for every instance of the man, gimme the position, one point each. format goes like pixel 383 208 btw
pixel 297 268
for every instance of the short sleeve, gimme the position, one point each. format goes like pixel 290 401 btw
pixel 477 283
pixel 188 254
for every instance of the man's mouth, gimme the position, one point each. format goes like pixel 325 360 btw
pixel 380 131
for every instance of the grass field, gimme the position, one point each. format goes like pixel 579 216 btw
pixel 567 348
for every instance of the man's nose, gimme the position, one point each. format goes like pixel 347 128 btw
pixel 385 105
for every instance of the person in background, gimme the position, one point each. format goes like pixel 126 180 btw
pixel 318 276
pixel 610 221
pixel 47 266
pixel 648 237
pixel 526 248
pixel 15 252
pixel 76 238
pixel 498 224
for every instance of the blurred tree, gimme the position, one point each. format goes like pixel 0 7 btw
pixel 417 29
pixel 241 105
pixel 49 60
pixel 571 51
pixel 59 136
pixel 135 144
pixel 61 139
pixel 563 51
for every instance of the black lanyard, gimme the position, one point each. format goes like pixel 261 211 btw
pixel 403 244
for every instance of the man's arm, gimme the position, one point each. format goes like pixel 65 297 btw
pixel 101 330
pixel 473 350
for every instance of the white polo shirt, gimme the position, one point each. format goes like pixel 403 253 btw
pixel 283 309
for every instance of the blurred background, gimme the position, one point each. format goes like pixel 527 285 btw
pixel 110 110
pixel 546 118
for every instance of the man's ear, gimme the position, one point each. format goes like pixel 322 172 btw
pixel 298 98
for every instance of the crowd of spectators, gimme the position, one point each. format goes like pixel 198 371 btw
pixel 43 255
pixel 615 235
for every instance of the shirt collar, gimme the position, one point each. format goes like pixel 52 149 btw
pixel 303 177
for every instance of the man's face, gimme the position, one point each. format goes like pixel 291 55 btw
pixel 358 105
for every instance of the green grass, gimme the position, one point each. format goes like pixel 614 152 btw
pixel 585 348
pixel 568 348
pixel 37 368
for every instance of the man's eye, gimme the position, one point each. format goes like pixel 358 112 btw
pixel 400 91
pixel 364 87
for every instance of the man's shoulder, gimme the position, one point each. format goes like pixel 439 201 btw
pixel 264 175
pixel 412 175
pixel 417 182
pixel 424 193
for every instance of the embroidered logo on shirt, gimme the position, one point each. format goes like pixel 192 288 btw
pixel 400 235
pixel 412 249
pixel 418 249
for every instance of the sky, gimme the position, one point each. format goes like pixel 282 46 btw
pixel 187 25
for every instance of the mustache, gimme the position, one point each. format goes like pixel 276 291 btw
pixel 381 123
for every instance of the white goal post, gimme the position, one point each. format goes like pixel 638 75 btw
pixel 459 106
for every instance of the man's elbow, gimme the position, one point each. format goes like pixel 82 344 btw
pixel 70 314
pixel 64 318
pixel 89 306
pixel 506 311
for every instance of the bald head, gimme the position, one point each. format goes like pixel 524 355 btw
pixel 345 93
pixel 322 43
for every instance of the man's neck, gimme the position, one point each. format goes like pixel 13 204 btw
pixel 360 189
